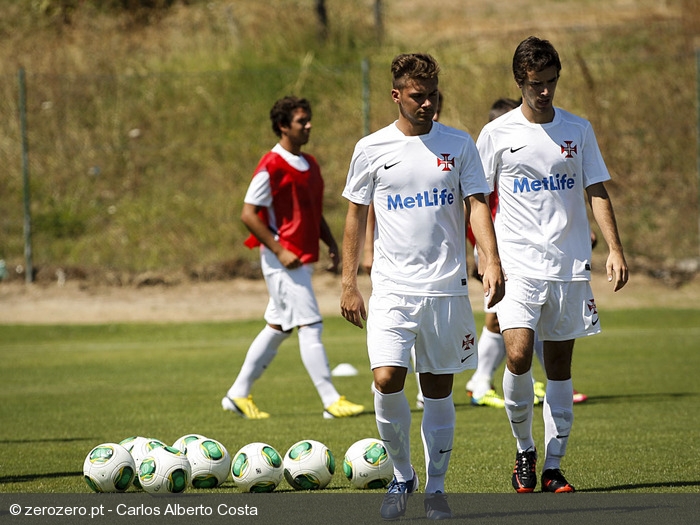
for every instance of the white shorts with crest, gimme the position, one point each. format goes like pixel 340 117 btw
pixel 555 310
pixel 442 329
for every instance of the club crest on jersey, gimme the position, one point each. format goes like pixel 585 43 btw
pixel 569 149
pixel 592 307
pixel 467 342
pixel 446 162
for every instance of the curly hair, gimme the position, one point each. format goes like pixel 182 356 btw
pixel 282 112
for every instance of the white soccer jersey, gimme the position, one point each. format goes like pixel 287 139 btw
pixel 541 171
pixel 418 185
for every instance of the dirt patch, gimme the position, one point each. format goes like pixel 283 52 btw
pixel 76 301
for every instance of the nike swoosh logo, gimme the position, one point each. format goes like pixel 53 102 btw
pixel 445 451
pixel 596 321
pixel 389 166
pixel 513 150
pixel 465 358
pixel 518 422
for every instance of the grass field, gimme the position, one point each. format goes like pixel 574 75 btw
pixel 64 389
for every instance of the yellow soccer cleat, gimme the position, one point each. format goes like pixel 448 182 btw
pixel 489 399
pixel 342 408
pixel 244 407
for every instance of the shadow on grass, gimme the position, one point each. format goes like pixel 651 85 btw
pixel 645 398
pixel 26 478
pixel 643 486
pixel 46 440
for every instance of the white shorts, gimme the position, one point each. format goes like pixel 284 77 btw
pixel 555 310
pixel 292 299
pixel 442 329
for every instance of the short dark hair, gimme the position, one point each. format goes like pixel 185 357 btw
pixel 409 66
pixel 534 54
pixel 501 106
pixel 282 112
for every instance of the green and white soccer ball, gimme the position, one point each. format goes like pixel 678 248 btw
pixel 309 465
pixel 140 447
pixel 165 470
pixel 257 467
pixel 182 441
pixel 210 462
pixel 367 464
pixel 109 468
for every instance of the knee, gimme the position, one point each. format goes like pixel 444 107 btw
pixel 389 379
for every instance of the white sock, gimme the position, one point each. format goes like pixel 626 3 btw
pixel 520 399
pixel 491 351
pixel 558 415
pixel 260 354
pixel 313 355
pixel 437 431
pixel 393 417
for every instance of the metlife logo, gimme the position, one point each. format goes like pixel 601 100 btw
pixel 552 183
pixel 425 199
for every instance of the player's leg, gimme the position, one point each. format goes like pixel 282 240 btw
pixel 445 345
pixel 390 337
pixel 296 305
pixel 519 314
pixel 519 402
pixel 558 413
pixel 437 428
pixel 260 354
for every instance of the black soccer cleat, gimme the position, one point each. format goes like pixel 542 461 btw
pixel 554 481
pixel 524 472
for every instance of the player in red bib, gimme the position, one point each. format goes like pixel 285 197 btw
pixel 283 209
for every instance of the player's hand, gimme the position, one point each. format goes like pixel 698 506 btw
pixel 494 284
pixel 352 306
pixel 618 272
pixel 289 260
pixel 335 260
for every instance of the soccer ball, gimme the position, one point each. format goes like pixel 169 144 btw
pixel 367 465
pixel 181 442
pixel 257 467
pixel 109 468
pixel 309 465
pixel 165 469
pixel 210 462
pixel 140 447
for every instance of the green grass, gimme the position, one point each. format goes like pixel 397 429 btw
pixel 64 389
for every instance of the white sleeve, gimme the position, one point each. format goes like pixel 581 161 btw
pixel 472 178
pixel 488 160
pixel 359 186
pixel 594 168
pixel 259 192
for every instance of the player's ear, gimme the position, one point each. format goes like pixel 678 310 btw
pixel 395 95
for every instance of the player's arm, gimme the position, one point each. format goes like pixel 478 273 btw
pixel 329 240
pixel 368 252
pixel 616 266
pixel 352 305
pixel 266 236
pixel 482 226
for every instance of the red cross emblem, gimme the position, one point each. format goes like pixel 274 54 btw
pixel 592 307
pixel 467 342
pixel 568 149
pixel 446 162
